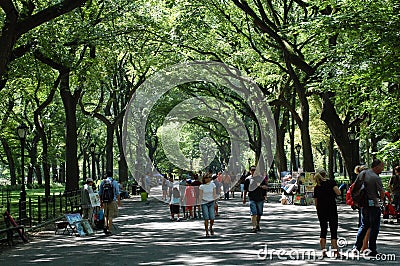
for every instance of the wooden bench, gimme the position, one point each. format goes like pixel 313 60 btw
pixel 7 231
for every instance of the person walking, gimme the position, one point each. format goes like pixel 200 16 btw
pixel 87 208
pixel 371 214
pixel 190 198
pixel 196 184
pixel 255 185
pixel 226 182
pixel 207 196
pixel 242 179
pixel 394 185
pixel 357 170
pixel 110 200
pixel 218 186
pixel 325 193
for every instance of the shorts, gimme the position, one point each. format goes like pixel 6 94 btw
pixel 256 207
pixel 241 187
pixel 111 210
pixel 208 210
pixel 174 208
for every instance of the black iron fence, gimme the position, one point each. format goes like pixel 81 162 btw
pixel 39 209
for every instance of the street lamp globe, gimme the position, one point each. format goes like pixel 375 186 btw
pixel 297 148
pixel 92 147
pixel 22 131
pixel 352 135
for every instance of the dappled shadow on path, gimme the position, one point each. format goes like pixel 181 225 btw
pixel 145 236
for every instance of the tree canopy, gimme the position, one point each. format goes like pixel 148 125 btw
pixel 68 70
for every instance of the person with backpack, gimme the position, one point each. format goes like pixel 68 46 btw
pixel 325 193
pixel 349 201
pixel 370 212
pixel 110 201
pixel 394 185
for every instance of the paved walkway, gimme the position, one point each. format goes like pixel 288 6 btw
pixel 289 236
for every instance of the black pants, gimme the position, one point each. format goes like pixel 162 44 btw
pixel 325 216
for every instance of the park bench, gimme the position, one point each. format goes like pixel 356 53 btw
pixel 9 231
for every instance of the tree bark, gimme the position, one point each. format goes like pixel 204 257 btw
pixel 122 164
pixel 33 154
pixel 339 131
pixel 109 148
pixel 42 135
pixel 331 163
pixel 70 102
pixel 11 162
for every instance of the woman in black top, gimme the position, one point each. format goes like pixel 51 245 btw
pixel 325 193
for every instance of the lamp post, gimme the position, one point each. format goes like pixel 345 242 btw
pixel 298 148
pixel 22 131
pixel 322 150
pixel 92 149
pixel 352 137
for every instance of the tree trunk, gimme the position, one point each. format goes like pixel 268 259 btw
pixel 122 164
pixel 11 162
pixel 62 172
pixel 38 171
pixel 70 102
pixel 281 128
pixel 84 166
pixel 33 154
pixel 331 156
pixel 339 132
pixel 109 148
pixel 54 171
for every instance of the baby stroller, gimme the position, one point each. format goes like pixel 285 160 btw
pixel 388 210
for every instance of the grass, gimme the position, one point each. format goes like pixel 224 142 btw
pixel 385 180
pixel 33 194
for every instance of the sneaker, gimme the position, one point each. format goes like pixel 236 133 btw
pixel 108 233
pixel 178 220
pixel 258 228
pixel 105 230
pixel 254 230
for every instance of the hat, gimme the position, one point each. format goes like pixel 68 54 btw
pixel 89 180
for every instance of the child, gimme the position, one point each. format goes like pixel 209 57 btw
pixel 174 204
pixel 190 197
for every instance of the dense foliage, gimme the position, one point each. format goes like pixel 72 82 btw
pixel 68 71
